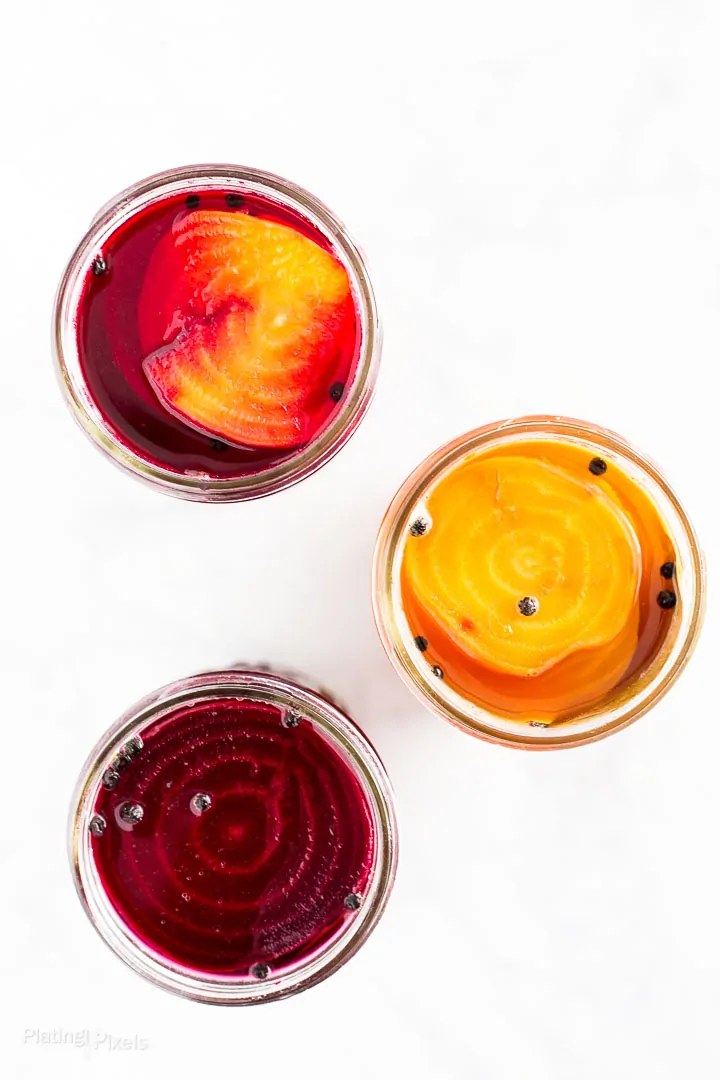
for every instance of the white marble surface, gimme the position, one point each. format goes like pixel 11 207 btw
pixel 537 187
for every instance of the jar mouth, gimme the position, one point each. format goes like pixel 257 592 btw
pixel 356 752
pixel 285 194
pixel 617 710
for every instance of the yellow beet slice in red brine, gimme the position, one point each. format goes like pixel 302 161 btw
pixel 525 564
pixel 259 308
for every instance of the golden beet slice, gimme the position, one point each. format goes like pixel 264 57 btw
pixel 509 527
pixel 260 307
pixel 207 378
pixel 270 265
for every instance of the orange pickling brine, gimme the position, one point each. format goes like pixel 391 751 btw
pixel 533 523
pixel 537 582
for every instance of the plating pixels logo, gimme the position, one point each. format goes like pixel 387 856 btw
pixel 85 1039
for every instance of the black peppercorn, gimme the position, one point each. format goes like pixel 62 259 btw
pixel 98 825
pixel 597 466
pixel 666 599
pixel 200 803
pixel 421 642
pixel 292 718
pixel 110 778
pixel 132 813
pixel 667 570
pixel 132 747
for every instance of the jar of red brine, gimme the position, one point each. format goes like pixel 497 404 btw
pixel 233 837
pixel 216 332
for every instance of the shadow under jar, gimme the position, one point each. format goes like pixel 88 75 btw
pixel 233 837
pixel 216 333
pixel 538 583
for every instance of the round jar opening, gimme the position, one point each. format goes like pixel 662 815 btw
pixel 233 837
pixel 538 583
pixel 216 333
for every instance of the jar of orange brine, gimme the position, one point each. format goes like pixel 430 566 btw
pixel 538 583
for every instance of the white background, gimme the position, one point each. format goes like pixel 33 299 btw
pixel 537 188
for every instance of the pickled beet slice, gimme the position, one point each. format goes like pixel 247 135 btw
pixel 250 839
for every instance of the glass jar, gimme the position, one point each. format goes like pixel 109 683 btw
pixel 618 710
pixel 199 484
pixel 116 752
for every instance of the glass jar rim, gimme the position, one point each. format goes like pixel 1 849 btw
pixel 201 487
pixel 480 722
pixel 357 753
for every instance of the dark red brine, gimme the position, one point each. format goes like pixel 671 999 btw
pixel 232 840
pixel 171 305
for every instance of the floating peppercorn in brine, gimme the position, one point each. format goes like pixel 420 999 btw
pixel 234 837
pixel 538 582
pixel 216 332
